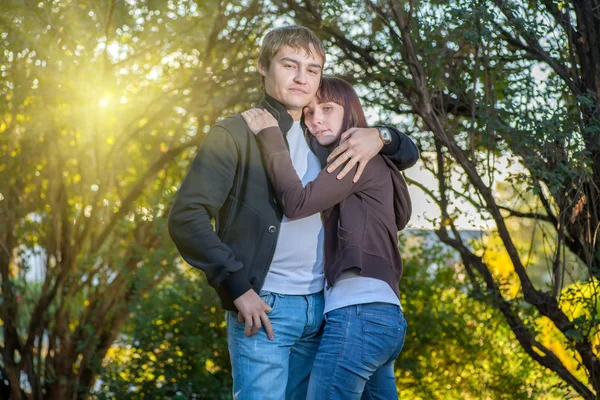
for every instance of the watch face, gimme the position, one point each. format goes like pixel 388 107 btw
pixel 385 134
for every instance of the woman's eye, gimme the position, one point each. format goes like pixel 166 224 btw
pixel 313 72
pixel 308 113
pixel 327 109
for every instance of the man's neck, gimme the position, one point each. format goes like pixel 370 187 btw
pixel 296 114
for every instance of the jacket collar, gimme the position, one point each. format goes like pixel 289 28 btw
pixel 279 111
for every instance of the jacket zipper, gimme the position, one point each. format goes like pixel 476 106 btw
pixel 268 266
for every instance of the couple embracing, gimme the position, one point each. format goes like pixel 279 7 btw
pixel 307 202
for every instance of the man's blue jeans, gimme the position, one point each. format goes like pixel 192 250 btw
pixel 356 357
pixel 278 369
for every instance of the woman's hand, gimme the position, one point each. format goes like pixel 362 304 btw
pixel 258 119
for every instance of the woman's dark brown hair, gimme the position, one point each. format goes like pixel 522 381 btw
pixel 336 90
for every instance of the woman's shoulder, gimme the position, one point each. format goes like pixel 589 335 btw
pixel 377 171
pixel 378 167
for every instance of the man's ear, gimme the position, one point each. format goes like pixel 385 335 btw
pixel 261 69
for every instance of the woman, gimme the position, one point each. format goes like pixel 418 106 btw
pixel 365 328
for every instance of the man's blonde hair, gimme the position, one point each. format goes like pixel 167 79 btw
pixel 296 37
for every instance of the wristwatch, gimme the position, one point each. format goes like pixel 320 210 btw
pixel 385 135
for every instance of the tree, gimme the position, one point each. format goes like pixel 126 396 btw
pixel 174 347
pixel 485 82
pixel 458 347
pixel 103 106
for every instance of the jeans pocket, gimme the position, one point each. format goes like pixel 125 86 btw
pixel 337 317
pixel 380 340
pixel 402 336
pixel 270 299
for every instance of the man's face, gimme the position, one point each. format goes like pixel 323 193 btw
pixel 293 78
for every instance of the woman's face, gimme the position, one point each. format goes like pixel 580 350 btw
pixel 324 121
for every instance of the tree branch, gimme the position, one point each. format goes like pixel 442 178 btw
pixel 534 47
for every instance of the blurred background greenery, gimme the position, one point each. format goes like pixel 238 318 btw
pixel 104 103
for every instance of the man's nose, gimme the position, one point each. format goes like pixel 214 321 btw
pixel 300 76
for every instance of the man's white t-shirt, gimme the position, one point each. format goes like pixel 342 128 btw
pixel 297 266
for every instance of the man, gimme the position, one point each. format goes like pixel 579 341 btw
pixel 267 269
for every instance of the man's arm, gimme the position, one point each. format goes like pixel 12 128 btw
pixel 402 151
pixel 359 145
pixel 202 193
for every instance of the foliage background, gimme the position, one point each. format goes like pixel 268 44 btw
pixel 104 104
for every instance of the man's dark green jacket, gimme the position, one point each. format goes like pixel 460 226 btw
pixel 226 181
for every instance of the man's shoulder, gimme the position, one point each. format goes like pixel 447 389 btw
pixel 228 131
pixel 233 124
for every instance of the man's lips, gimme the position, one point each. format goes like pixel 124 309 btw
pixel 298 90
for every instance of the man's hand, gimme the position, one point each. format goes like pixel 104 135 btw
pixel 357 145
pixel 258 119
pixel 252 310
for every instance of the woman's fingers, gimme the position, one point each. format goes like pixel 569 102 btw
pixel 256 112
pixel 258 119
pixel 246 117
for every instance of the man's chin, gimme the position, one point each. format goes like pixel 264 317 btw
pixel 298 102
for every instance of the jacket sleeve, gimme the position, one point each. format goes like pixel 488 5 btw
pixel 402 151
pixel 298 201
pixel 201 195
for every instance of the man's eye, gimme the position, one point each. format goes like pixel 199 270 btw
pixel 314 72
pixel 288 66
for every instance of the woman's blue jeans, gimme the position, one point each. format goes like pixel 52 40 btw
pixel 356 356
